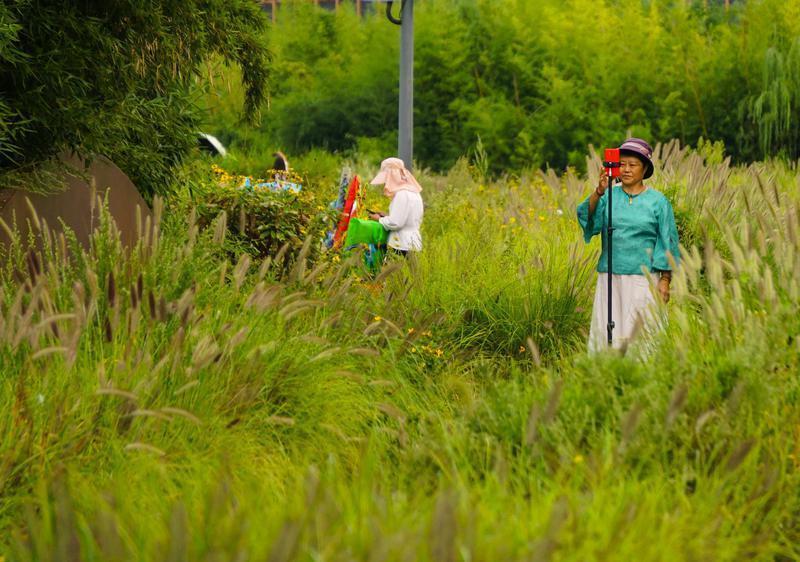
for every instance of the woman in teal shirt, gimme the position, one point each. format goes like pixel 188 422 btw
pixel 645 238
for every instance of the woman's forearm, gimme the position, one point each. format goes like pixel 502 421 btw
pixel 594 198
pixel 398 212
pixel 396 219
pixel 598 192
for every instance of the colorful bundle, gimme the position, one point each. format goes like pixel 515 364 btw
pixel 348 211
pixel 275 185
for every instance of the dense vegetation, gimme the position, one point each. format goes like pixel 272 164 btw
pixel 226 390
pixel 537 82
pixel 177 403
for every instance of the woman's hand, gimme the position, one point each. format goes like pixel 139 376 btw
pixel 663 288
pixel 375 216
pixel 602 185
pixel 594 198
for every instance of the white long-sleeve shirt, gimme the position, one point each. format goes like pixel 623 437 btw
pixel 404 220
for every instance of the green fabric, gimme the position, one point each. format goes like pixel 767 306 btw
pixel 371 237
pixel 644 231
pixel 362 231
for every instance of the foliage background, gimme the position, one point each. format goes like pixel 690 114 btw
pixel 536 82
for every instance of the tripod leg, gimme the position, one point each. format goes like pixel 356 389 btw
pixel 609 245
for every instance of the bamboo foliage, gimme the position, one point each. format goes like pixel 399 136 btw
pixel 518 97
pixel 775 108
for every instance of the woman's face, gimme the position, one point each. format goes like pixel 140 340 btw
pixel 631 170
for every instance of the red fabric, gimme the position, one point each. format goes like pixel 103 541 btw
pixel 347 212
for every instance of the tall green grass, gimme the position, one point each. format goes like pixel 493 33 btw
pixel 167 402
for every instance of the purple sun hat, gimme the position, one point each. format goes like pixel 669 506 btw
pixel 640 148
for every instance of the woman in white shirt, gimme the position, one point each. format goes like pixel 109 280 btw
pixel 405 209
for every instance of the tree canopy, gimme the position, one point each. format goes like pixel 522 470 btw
pixel 118 77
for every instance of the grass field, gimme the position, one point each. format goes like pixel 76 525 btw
pixel 182 401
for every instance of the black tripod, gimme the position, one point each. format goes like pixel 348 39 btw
pixel 611 165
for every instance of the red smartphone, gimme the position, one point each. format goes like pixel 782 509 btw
pixel 611 161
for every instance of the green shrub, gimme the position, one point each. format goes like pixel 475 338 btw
pixel 262 221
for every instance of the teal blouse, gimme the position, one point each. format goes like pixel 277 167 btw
pixel 644 231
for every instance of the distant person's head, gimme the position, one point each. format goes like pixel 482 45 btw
pixel 635 161
pixel 281 163
pixel 395 177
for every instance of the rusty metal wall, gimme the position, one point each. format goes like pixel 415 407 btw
pixel 74 205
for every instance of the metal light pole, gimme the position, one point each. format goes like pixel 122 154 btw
pixel 405 140
pixel 405 144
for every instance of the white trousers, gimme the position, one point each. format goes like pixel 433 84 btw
pixel 632 310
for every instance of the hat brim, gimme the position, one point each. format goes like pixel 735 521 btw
pixel 379 179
